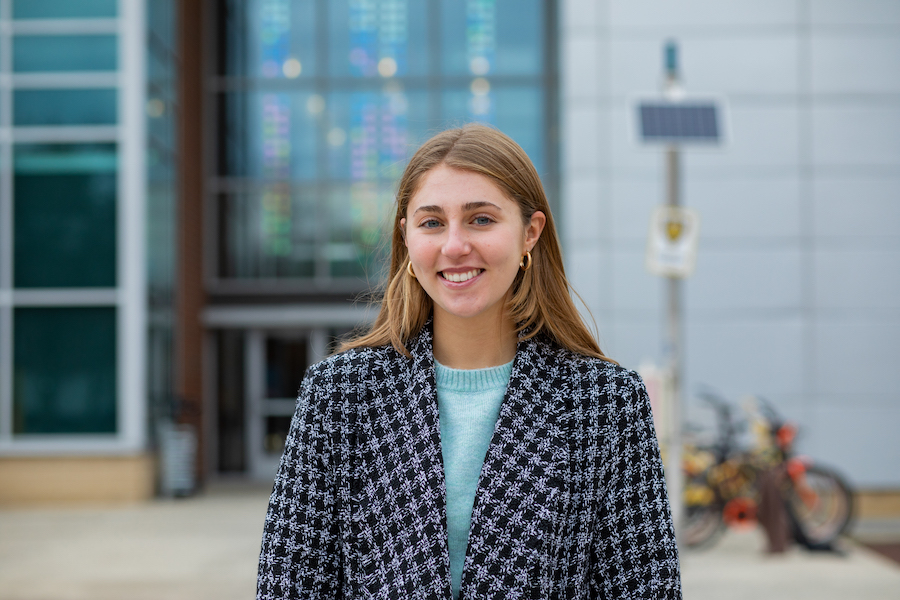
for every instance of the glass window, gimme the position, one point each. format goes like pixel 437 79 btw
pixel 286 362
pixel 357 222
pixel 383 38
pixel 64 107
pixel 276 432
pixel 307 165
pixel 161 22
pixel 65 53
pixel 275 39
pixel 492 37
pixel 64 9
pixel 161 172
pixel 270 135
pixel 372 133
pixel 64 370
pixel 231 411
pixel 520 113
pixel 270 232
pixel 65 215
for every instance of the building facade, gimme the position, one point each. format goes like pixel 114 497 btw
pixel 314 108
pixel 796 293
pixel 195 194
pixel 73 250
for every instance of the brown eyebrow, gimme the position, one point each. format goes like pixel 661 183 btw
pixel 430 209
pixel 467 206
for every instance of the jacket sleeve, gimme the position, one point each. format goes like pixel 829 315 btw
pixel 300 555
pixel 634 555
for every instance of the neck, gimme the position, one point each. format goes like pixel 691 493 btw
pixel 473 343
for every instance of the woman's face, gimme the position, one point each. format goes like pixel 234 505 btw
pixel 465 239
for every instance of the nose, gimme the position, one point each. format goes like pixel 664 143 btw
pixel 456 243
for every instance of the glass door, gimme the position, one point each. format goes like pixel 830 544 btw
pixel 275 363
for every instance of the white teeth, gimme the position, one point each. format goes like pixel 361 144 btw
pixel 460 277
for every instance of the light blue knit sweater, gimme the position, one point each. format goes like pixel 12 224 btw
pixel 469 404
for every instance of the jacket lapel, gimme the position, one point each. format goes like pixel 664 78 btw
pixel 402 502
pixel 521 492
pixel 520 499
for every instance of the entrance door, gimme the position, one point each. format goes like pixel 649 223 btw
pixel 275 362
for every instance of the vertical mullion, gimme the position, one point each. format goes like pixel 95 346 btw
pixel 254 394
pixel 211 139
pixel 131 207
pixel 6 185
pixel 324 186
pixel 551 102
pixel 6 372
pixel 6 224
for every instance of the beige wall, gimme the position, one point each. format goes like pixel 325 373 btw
pixel 67 480
pixel 877 504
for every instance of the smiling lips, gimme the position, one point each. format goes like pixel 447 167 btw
pixel 461 277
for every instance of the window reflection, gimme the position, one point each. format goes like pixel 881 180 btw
pixel 273 39
pixel 65 215
pixel 64 9
pixel 64 107
pixel 270 232
pixel 65 370
pixel 269 135
pixel 492 37
pixel 321 103
pixel 33 53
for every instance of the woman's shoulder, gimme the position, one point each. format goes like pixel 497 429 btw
pixel 600 386
pixel 350 364
pixel 577 365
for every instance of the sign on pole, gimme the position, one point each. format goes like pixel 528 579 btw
pixel 672 242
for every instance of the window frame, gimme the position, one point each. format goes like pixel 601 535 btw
pixel 128 296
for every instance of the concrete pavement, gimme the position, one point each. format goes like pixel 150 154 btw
pixel 736 568
pixel 206 548
pixel 201 548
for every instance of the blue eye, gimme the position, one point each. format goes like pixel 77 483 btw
pixel 431 224
pixel 483 220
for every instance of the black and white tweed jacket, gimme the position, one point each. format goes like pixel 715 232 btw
pixel 571 502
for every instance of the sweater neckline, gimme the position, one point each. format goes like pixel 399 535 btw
pixel 465 380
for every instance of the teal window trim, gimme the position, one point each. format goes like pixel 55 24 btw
pixel 43 10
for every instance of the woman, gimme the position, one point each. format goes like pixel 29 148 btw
pixel 476 443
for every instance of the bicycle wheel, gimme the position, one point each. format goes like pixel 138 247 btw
pixel 820 505
pixel 702 525
pixel 702 513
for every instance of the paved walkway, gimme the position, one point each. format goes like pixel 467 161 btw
pixel 206 548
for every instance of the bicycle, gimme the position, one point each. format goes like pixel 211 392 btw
pixel 819 502
pixel 722 486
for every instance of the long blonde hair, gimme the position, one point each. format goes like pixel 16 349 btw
pixel 540 302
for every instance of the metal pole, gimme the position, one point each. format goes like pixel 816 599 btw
pixel 674 474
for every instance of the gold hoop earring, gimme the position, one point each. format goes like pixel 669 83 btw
pixel 409 270
pixel 522 262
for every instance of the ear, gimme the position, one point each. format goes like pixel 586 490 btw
pixel 534 228
pixel 403 230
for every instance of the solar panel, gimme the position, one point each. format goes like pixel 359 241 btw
pixel 679 122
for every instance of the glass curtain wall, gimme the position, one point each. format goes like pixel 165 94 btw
pixel 318 105
pixel 62 294
pixel 57 106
